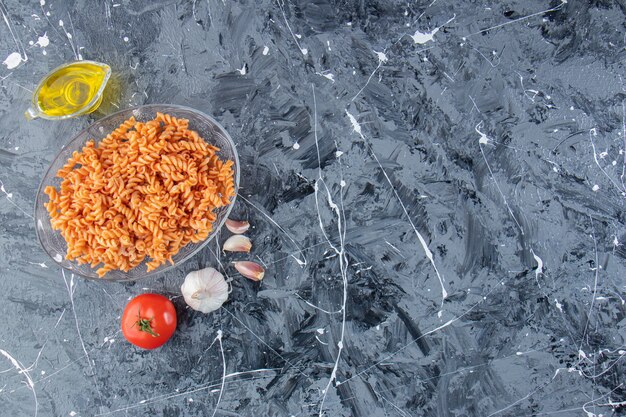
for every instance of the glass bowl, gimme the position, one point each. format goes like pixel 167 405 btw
pixel 54 244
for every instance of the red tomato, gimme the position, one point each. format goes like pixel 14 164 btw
pixel 149 320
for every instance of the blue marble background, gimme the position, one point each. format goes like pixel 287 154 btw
pixel 436 190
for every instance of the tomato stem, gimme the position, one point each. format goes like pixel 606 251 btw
pixel 145 325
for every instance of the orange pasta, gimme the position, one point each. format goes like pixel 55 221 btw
pixel 144 192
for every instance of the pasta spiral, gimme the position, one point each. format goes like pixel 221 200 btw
pixel 142 193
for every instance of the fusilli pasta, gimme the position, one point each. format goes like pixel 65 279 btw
pixel 144 192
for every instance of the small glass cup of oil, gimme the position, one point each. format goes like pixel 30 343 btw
pixel 70 90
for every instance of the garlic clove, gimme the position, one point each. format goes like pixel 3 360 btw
pixel 237 243
pixel 250 270
pixel 205 290
pixel 236 226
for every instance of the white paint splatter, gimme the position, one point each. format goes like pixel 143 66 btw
pixel 243 70
pixel 24 371
pixel 423 37
pixel 43 41
pixel 506 203
pixel 13 60
pixel 484 140
pixel 9 195
pixel 518 20
pixel 219 339
pixel 304 51
pixel 355 124
pixel 530 90
pixel 539 269
pixel 10 198
pixel 595 187
pixel 326 75
pixel 381 56
pixel 357 128
pixel 71 288
pixel 558 305
pixel 266 50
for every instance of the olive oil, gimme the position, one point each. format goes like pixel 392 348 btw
pixel 70 90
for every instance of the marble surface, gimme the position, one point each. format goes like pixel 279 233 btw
pixel 436 188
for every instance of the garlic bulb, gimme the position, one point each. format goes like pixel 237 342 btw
pixel 205 290
pixel 236 226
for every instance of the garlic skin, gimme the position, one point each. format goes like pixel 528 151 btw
pixel 237 227
pixel 205 290
pixel 237 243
pixel 250 270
